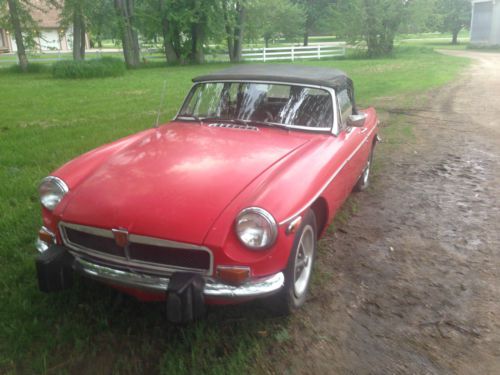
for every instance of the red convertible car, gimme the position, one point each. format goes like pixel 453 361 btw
pixel 223 204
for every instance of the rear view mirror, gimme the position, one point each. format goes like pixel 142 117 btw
pixel 356 121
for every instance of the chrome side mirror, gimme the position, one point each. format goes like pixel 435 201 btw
pixel 356 121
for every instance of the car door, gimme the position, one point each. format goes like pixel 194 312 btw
pixel 353 142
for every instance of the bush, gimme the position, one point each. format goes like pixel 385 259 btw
pixel 103 67
pixel 32 68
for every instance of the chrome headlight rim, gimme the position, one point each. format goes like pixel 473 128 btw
pixel 273 226
pixel 59 184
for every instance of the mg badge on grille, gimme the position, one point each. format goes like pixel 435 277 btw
pixel 120 236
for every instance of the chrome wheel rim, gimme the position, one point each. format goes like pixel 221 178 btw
pixel 303 261
pixel 366 173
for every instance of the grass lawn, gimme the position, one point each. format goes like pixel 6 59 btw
pixel 45 122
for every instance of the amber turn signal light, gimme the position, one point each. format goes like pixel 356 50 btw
pixel 294 225
pixel 233 275
pixel 45 236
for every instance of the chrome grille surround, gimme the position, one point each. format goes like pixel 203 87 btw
pixel 125 261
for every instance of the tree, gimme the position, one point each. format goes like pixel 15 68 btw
pixel 316 13
pixel 15 22
pixel 270 20
pixel 420 17
pixel 156 18
pixel 234 20
pixel 170 31
pixel 74 13
pixel 130 39
pixel 204 22
pixel 100 21
pixel 374 21
pixel 455 15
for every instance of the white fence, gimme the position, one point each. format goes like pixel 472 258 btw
pixel 294 53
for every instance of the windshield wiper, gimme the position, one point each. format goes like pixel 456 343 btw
pixel 274 125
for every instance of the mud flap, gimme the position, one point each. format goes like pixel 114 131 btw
pixel 54 269
pixel 185 300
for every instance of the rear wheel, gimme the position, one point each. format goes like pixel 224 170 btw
pixel 299 268
pixel 364 179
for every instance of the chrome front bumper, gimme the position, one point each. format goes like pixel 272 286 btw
pixel 254 288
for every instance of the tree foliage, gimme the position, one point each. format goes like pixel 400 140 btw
pixel 186 28
pixel 454 15
pixel 376 22
pixel 317 16
pixel 276 19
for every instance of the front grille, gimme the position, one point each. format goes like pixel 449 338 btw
pixel 91 241
pixel 142 253
pixel 172 256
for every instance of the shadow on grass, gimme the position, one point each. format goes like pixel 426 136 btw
pixel 92 329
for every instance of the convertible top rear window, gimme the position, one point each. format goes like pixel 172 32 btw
pixel 280 104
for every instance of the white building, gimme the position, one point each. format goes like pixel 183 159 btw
pixel 485 23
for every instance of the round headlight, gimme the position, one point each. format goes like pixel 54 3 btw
pixel 52 190
pixel 256 228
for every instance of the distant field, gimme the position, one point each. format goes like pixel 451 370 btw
pixel 46 122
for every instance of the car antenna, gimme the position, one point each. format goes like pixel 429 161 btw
pixel 161 103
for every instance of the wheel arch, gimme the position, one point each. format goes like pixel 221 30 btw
pixel 320 210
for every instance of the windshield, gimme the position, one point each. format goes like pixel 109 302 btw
pixel 278 104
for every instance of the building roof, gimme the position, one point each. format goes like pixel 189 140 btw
pixel 291 73
pixel 46 16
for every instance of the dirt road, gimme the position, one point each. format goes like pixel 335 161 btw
pixel 415 274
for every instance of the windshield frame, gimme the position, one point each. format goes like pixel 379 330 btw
pixel 333 128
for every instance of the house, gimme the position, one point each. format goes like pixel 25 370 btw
pixel 485 23
pixel 51 37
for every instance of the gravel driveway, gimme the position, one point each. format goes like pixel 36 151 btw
pixel 415 273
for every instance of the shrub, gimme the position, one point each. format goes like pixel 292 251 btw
pixel 102 67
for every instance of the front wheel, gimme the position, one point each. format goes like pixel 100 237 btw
pixel 299 268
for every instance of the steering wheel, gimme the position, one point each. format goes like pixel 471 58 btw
pixel 309 118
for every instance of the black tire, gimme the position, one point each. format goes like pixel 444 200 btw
pixel 290 297
pixel 364 180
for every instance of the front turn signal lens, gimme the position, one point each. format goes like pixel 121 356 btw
pixel 233 275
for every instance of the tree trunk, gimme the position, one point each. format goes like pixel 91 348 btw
pixel 130 40
pixel 454 39
pixel 229 33
pixel 238 33
pixel 170 52
pixel 83 40
pixel 78 27
pixel 197 37
pixel 307 29
pixel 16 24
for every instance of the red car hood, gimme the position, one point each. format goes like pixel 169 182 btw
pixel 176 180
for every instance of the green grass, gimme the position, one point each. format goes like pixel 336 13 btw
pixel 45 122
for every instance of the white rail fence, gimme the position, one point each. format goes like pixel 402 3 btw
pixel 294 53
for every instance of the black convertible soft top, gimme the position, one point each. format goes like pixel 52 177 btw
pixel 286 73
pixel 308 75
